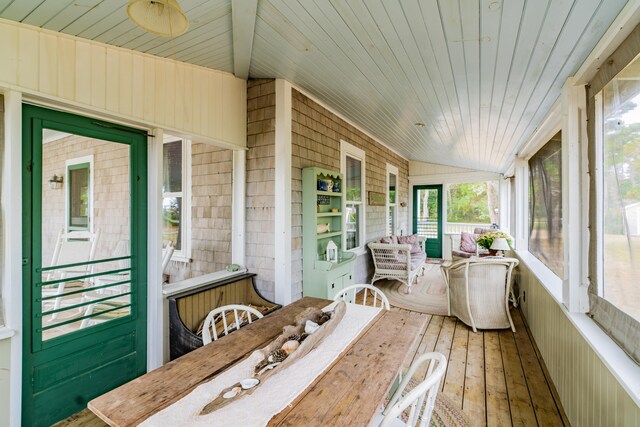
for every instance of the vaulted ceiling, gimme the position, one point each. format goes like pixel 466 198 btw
pixel 480 74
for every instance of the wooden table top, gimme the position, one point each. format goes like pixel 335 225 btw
pixel 348 393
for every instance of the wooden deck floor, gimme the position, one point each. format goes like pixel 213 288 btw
pixel 496 377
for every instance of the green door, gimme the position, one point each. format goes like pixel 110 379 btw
pixel 84 261
pixel 427 217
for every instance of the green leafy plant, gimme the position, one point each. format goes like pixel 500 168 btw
pixel 485 240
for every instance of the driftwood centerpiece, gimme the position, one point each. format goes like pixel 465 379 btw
pixel 310 328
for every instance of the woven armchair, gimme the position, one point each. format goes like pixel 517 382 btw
pixel 396 262
pixel 478 291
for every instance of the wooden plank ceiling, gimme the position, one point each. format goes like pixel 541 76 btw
pixel 481 74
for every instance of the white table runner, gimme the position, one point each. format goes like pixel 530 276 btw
pixel 271 397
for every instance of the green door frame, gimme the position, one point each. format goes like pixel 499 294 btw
pixel 432 246
pixel 97 344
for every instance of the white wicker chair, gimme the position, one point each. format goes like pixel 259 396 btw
pixel 478 291
pixel 349 293
pixel 422 398
pixel 393 261
pixel 245 316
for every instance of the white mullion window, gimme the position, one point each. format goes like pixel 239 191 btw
pixel 176 196
pixel 392 200
pixel 352 166
pixel 79 194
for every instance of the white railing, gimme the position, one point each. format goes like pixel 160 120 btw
pixel 429 228
pixel 459 227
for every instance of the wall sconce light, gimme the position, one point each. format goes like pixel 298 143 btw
pixel 403 204
pixel 55 183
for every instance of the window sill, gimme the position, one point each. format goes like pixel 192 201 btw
pixel 188 284
pixel 624 370
pixel 6 333
pixel 549 280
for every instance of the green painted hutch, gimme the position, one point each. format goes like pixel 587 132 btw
pixel 322 222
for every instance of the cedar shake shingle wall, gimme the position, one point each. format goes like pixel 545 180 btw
pixel 316 135
pixel 111 191
pixel 211 170
pixel 260 197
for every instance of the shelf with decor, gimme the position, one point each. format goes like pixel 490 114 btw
pixel 323 231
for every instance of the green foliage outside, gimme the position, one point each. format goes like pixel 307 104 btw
pixel 473 202
pixel 622 166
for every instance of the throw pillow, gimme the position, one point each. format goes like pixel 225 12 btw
pixel 386 240
pixel 411 240
pixel 468 242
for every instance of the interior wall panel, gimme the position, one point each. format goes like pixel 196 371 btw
pixel 145 90
pixel 589 392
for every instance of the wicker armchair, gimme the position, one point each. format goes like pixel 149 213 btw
pixel 478 291
pixel 396 262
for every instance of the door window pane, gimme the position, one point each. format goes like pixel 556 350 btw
pixel 545 205
pixel 85 219
pixel 427 212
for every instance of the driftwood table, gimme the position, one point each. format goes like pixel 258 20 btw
pixel 349 392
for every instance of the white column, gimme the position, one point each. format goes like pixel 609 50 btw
pixel 157 330
pixel 521 227
pixel 238 207
pixel 504 207
pixel 283 154
pixel 575 233
pixel 12 245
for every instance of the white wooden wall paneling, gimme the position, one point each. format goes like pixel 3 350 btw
pixel 590 393
pixel 206 105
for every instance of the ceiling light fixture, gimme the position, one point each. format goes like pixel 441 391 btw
pixel 420 125
pixel 161 17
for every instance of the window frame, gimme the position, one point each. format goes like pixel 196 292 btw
pixel 184 254
pixel 392 170
pixel 349 150
pixel 564 188
pixel 71 164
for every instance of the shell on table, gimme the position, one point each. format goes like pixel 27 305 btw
pixel 277 356
pixel 290 346
pixel 310 327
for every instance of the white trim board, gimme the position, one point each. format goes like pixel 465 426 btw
pixel 347 149
pixel 12 246
pixel 550 125
pixel 453 178
pixel 283 157
pixel 620 28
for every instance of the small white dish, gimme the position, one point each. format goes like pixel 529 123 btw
pixel 248 383
pixel 230 394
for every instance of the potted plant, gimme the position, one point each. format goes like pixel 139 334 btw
pixel 485 240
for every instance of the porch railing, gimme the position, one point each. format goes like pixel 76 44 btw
pixel 429 228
